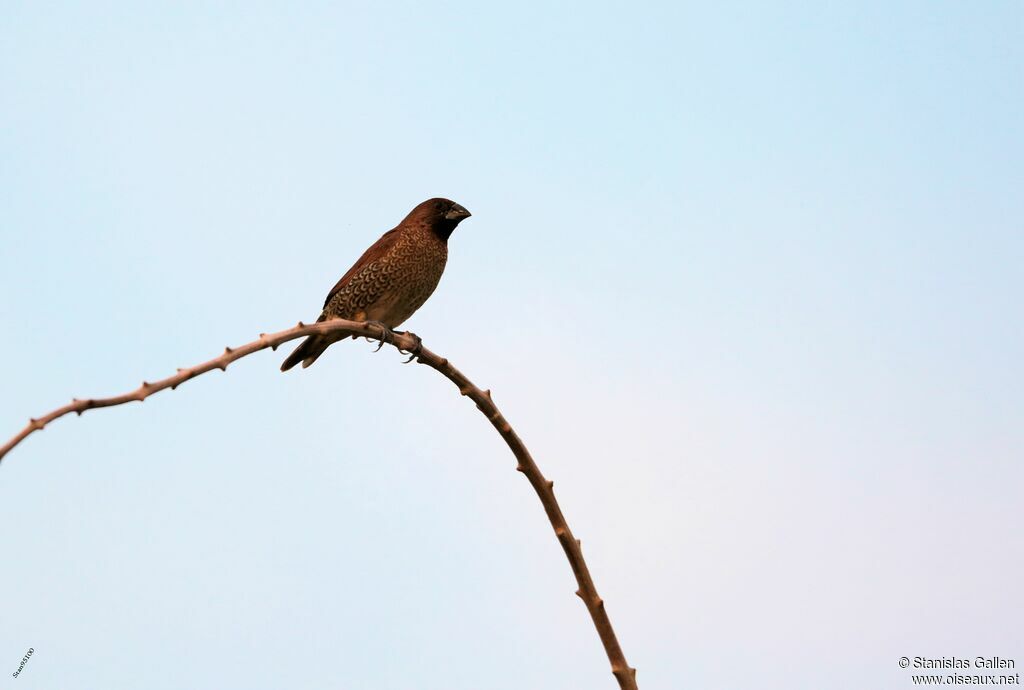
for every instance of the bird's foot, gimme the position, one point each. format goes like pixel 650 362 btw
pixel 416 349
pixel 384 332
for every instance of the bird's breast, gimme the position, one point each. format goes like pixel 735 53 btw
pixel 403 279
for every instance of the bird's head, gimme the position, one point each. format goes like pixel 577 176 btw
pixel 440 215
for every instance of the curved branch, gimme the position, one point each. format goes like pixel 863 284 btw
pixel 405 342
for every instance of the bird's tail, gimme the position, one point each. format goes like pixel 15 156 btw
pixel 311 348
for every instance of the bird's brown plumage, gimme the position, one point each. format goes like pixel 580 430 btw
pixel 393 278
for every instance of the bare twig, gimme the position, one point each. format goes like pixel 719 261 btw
pixel 406 342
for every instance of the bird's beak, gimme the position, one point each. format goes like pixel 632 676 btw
pixel 457 212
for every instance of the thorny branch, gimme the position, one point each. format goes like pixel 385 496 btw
pixel 407 343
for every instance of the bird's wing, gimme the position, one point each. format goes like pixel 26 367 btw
pixel 376 251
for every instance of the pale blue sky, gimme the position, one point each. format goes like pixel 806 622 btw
pixel 745 277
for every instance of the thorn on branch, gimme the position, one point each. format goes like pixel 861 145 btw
pixel 625 680
pixel 551 484
pixel 579 593
pixel 228 350
pixel 267 342
pixel 520 468
pixel 300 325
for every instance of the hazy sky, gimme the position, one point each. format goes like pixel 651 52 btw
pixel 746 278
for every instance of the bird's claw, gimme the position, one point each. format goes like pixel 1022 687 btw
pixel 384 330
pixel 416 349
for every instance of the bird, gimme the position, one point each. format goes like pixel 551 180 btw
pixel 392 279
